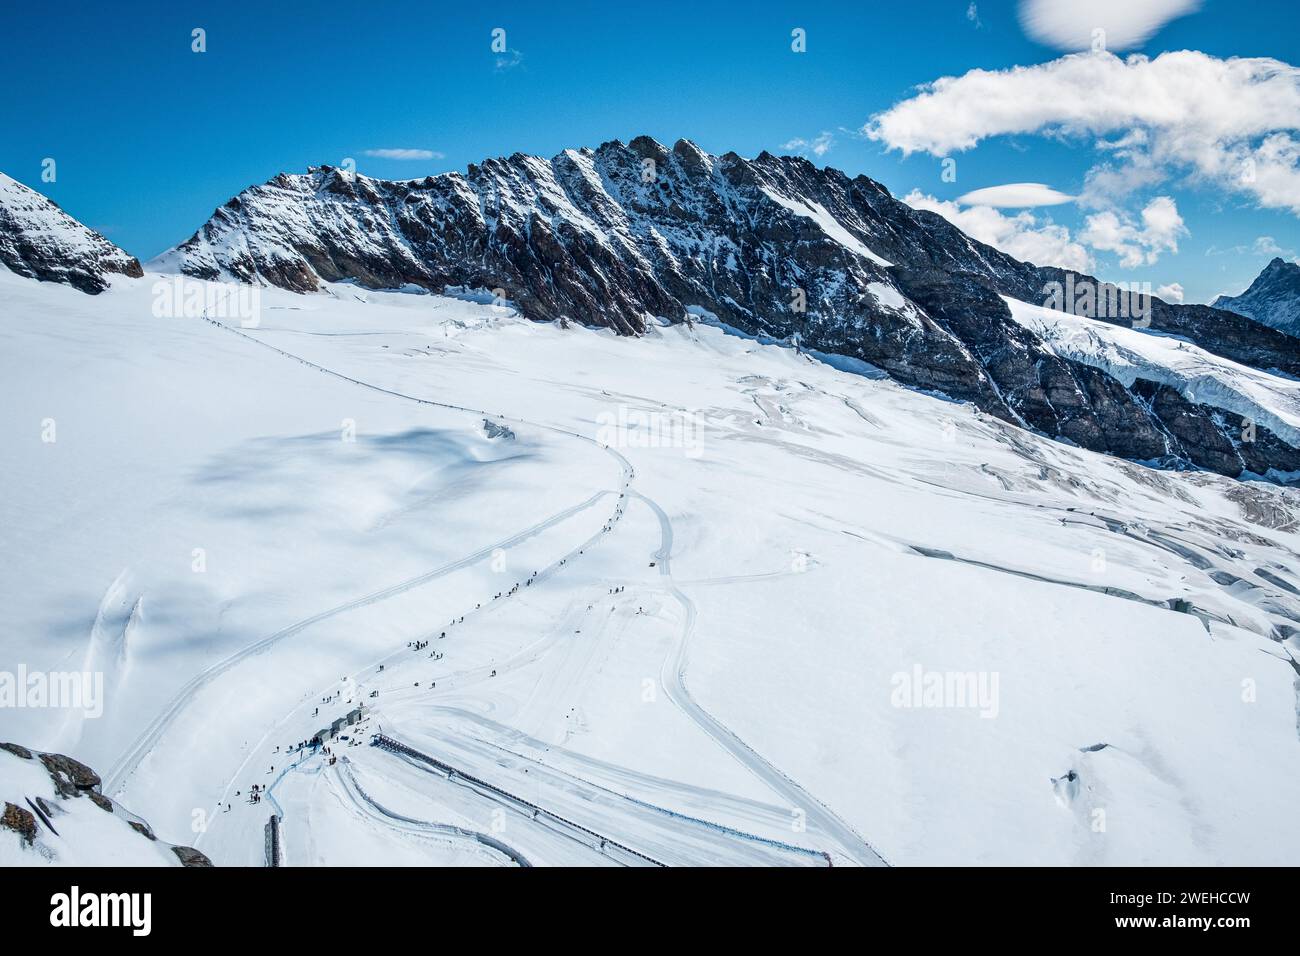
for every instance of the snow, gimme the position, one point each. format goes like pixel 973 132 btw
pixel 713 679
pixel 59 240
pixel 828 223
pixel 1132 353
pixel 87 834
pixel 887 296
pixel 40 218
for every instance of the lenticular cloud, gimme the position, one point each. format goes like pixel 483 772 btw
pixel 1070 24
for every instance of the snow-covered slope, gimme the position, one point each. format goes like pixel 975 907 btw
pixel 1255 408
pixel 52 812
pixel 39 240
pixel 711 600
pixel 629 233
pixel 1273 298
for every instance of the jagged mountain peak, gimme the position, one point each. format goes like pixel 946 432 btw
pixel 578 191
pixel 1273 298
pixel 41 241
pixel 625 234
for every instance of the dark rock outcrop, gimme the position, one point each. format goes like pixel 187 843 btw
pixel 191 857
pixel 73 780
pixel 21 821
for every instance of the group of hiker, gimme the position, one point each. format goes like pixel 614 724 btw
pixel 315 743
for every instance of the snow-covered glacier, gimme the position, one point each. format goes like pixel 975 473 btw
pixel 686 598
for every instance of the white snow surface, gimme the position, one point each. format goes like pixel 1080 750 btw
pixel 828 223
pixel 87 835
pixel 244 530
pixel 1132 353
pixel 887 296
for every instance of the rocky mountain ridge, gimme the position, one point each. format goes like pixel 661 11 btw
pixel 1273 299
pixel 40 241
pixel 629 233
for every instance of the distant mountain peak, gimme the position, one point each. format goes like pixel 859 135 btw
pixel 41 241
pixel 1272 299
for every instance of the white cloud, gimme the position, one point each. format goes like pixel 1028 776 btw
pixel 973 15
pixel 403 154
pixel 1107 184
pixel 1136 245
pixel 1267 246
pixel 1230 122
pixel 1262 246
pixel 1015 196
pixel 818 146
pixel 1042 242
pixel 1021 235
pixel 1173 292
pixel 1069 24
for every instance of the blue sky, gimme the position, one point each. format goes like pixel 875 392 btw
pixel 149 137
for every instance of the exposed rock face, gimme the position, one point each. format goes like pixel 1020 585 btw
pixel 22 822
pixel 496 430
pixel 190 856
pixel 1222 448
pixel 40 241
pixel 17 750
pixel 1273 298
pixel 71 777
pixel 70 780
pixel 625 233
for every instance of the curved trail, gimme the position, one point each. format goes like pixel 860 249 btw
pixel 673 679
pixel 374 809
pixel 588 773
pixel 672 674
pixel 482 672
pixel 607 846
pixel 127 763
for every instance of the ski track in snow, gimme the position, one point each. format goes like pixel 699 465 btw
pixel 970 551
pixel 673 671
pixel 343 773
pixel 674 681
